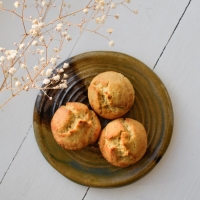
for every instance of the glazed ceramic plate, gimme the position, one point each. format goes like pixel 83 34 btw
pixel 152 107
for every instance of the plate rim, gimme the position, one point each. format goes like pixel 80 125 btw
pixel 161 152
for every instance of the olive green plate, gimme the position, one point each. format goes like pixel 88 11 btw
pixel 152 108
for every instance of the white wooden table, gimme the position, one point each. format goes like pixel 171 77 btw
pixel 165 35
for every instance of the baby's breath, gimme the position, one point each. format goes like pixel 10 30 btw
pixel 1 4
pixel 49 72
pixel 42 43
pixel 65 65
pixel 85 10
pixel 111 43
pixel 46 81
pixel 56 78
pixel 110 30
pixel 21 46
pixel 17 84
pixel 16 4
pixel 23 66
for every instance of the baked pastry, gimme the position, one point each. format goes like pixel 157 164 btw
pixel 74 126
pixel 111 94
pixel 123 142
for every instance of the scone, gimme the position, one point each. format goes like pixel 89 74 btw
pixel 111 94
pixel 123 142
pixel 74 126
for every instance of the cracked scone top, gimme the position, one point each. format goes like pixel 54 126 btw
pixel 74 126
pixel 123 142
pixel 111 95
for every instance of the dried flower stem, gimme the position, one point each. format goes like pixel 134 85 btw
pixel 42 38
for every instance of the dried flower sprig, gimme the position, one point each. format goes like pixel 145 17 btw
pixel 44 41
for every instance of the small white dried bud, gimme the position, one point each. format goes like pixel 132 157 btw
pixel 44 3
pixel 135 11
pixel 12 70
pixel 56 78
pixel 36 67
pixel 41 24
pixel 23 66
pixel 103 19
pixel 9 58
pixel 59 27
pixel 127 1
pixel 65 75
pixel 33 32
pixel 61 70
pixel 85 10
pixel 41 52
pixel 42 59
pixel 36 27
pixel 97 7
pixel 102 2
pixel 11 54
pixel 41 38
pixel 111 43
pixel 50 98
pixel 53 61
pixel 35 21
pixel 110 30
pixel 68 37
pixel 64 33
pixel 2 58
pixel 1 49
pixel 34 43
pixel 112 5
pixel 58 57
pixel 46 81
pixel 55 49
pixel 63 85
pixel 49 72
pixel 17 84
pixel 16 4
pixel 21 46
pixel 65 65
pixel 98 20
pixel 26 88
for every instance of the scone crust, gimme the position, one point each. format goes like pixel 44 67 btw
pixel 123 142
pixel 74 126
pixel 111 94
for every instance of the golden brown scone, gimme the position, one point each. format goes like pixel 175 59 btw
pixel 74 126
pixel 111 94
pixel 123 142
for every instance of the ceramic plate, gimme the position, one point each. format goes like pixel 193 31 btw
pixel 152 107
